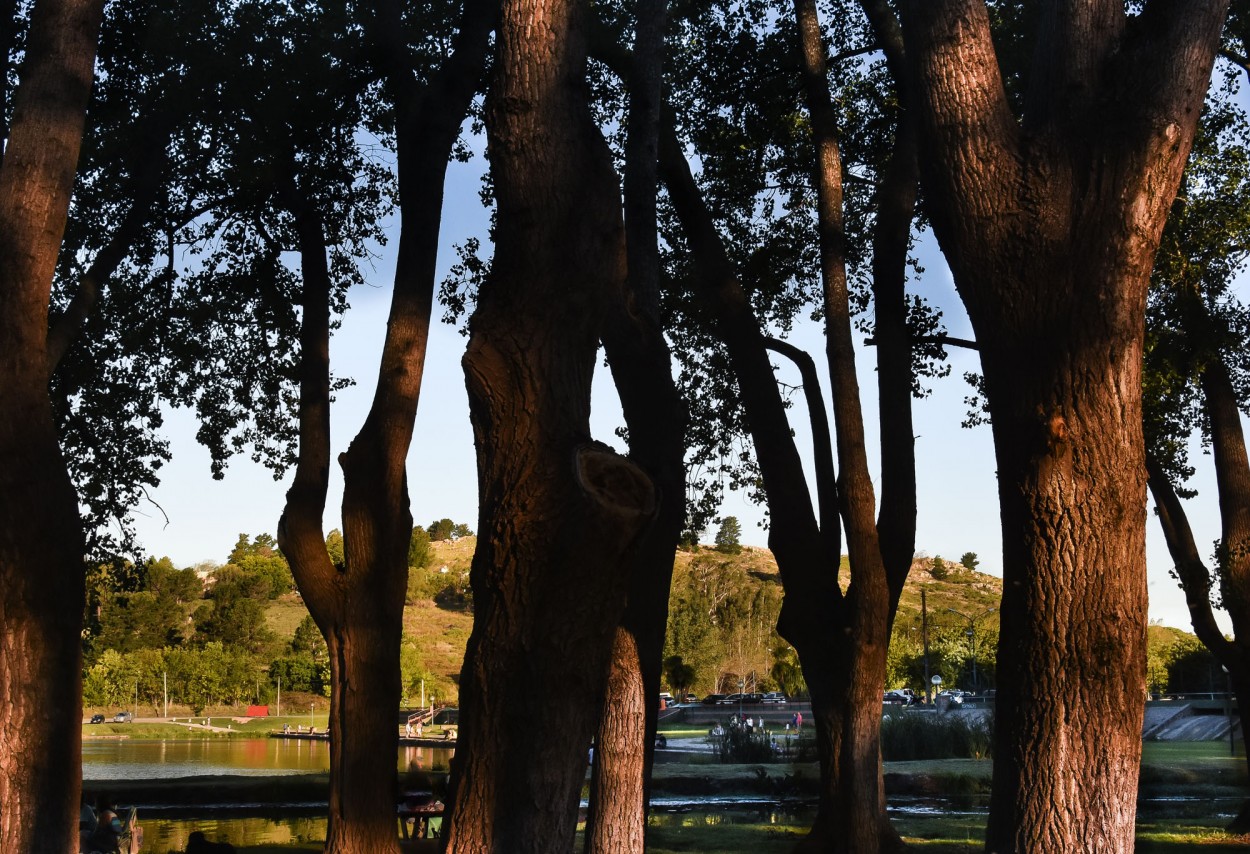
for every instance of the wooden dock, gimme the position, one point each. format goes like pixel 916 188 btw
pixel 404 741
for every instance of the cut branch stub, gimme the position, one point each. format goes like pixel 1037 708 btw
pixel 614 483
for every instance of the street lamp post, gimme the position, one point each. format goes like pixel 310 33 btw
pixel 972 636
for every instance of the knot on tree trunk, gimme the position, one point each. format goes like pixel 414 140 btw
pixel 615 483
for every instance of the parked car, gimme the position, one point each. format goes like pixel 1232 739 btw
pixel 899 697
pixel 713 699
pixel 752 698
pixel 123 718
pixel 97 719
pixel 691 698
pixel 730 700
pixel 954 696
pixel 774 697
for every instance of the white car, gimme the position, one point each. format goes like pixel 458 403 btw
pixel 774 697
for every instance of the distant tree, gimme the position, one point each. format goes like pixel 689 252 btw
pixel 418 548
pixel 334 547
pixel 308 640
pixel 461 530
pixel 441 529
pixel 140 620
pixel 786 671
pixel 970 560
pixel 263 546
pixel 262 557
pixel 938 568
pixel 235 616
pixel 1192 668
pixel 679 675
pixel 729 537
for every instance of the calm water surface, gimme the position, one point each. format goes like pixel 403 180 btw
pixel 139 759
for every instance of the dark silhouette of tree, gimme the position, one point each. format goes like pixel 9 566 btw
pixel 552 502
pixel 1196 378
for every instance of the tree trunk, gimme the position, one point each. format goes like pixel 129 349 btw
pixel 617 819
pixel 558 513
pixel 633 339
pixel 41 539
pixel 1232 467
pixel 1051 232
pixel 359 606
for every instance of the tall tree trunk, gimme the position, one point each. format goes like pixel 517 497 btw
pixel 558 513
pixel 639 357
pixel 858 821
pixel 359 606
pixel 807 551
pixel 1051 229
pixel 1232 467
pixel 41 539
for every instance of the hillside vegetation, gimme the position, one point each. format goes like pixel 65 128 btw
pixel 229 635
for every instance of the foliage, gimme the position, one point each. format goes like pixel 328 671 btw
pixel 678 675
pixel 921 735
pixel 301 672
pixel 196 677
pixel 970 561
pixel 334 548
pixel 723 612
pixel 235 614
pixel 263 559
pixel 937 569
pixel 418 548
pixel 787 672
pixel 446 529
pixel 738 744
pixel 729 536
pixel 1191 668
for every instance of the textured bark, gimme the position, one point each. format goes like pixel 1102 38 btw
pixel 1050 226
pixel 857 821
pixel 558 513
pixel 633 339
pixel 41 539
pixel 618 817
pixel 359 606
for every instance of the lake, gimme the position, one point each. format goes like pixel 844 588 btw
pixel 140 759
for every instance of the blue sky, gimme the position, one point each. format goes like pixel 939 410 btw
pixel 957 497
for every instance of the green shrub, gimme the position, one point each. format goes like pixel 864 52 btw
pixel 913 735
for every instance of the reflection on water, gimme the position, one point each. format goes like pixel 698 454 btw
pixel 161 836
pixel 137 759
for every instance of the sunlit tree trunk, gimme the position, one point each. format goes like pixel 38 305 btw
pixel 1050 223
pixel 641 367
pixel 359 605
pixel 41 537
pixel 559 513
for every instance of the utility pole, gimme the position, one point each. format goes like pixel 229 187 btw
pixel 972 637
pixel 924 638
